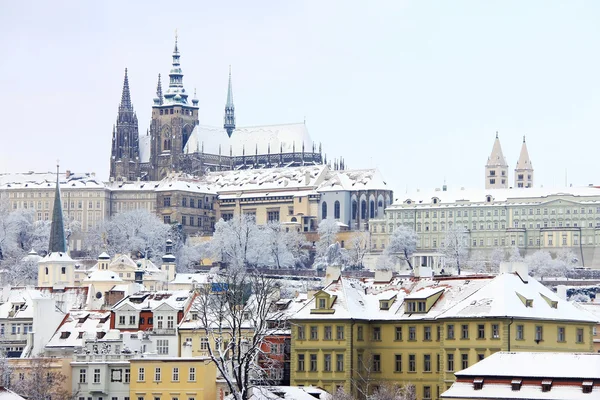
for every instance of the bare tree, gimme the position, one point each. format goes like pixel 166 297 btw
pixel 40 381
pixel 455 247
pixel 403 244
pixel 235 314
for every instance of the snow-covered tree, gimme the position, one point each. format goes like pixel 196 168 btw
pixel 189 255
pixel 359 247
pixel 455 247
pixel 514 255
pixel 496 258
pixel 580 298
pixel 477 262
pixel 137 232
pixel 390 391
pixel 541 263
pixel 236 314
pixel 237 242
pixel 402 244
pixel 327 230
pixel 283 248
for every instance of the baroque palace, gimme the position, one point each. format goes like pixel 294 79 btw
pixel 176 141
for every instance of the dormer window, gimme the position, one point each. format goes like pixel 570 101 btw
pixel 435 200
pixel 65 335
pixel 587 386
pixel 384 305
pixel 322 303
pixel 488 198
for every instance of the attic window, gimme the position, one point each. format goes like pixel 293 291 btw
pixel 527 302
pixel 65 335
pixel 551 303
pixel 546 385
pixel 384 305
pixel 322 303
pixel 478 383
pixel 515 384
pixel 488 199
pixel 435 200
pixel 587 386
pixel 80 335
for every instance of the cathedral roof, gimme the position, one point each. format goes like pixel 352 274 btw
pixel 524 162
pixel 353 179
pixel 497 157
pixel 285 138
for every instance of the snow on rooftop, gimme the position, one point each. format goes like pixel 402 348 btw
pixel 78 326
pixel 353 179
pixel 537 365
pixel 489 391
pixel 176 299
pixel 473 195
pixel 286 393
pixel 48 180
pixel 285 138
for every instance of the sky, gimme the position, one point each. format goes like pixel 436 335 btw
pixel 416 88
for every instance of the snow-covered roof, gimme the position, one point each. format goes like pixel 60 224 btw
pixel 47 180
pixel 286 393
pixel 353 179
pixel 479 196
pixel 18 302
pixel 504 297
pixel 528 391
pixel 190 278
pixel 460 297
pixel 184 185
pixel 7 394
pixel 69 298
pixel 103 276
pixel 79 326
pixel 144 145
pixel 285 138
pixel 176 299
pixel 537 365
pixel 592 308
pixel 285 179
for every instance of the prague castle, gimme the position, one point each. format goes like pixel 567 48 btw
pixel 176 142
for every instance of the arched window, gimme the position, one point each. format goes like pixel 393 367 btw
pixel 372 210
pixel 294 219
pixel 363 209
pixel 336 210
pixel 324 210
pixel 354 209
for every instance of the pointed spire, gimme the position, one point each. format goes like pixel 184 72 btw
pixel 229 119
pixel 176 94
pixel 158 100
pixel 126 95
pixel 497 157
pixel 58 243
pixel 524 162
pixel 195 99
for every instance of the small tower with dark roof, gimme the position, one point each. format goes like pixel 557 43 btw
pixel 57 268
pixel 168 262
pixel 229 119
pixel 125 153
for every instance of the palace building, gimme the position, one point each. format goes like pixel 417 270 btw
pixel 176 142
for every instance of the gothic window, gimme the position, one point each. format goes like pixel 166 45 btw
pixel 336 209
pixel 324 210
pixel 354 209
pixel 363 209
pixel 372 210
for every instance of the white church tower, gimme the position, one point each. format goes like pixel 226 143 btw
pixel 524 170
pixel 496 169
pixel 57 268
pixel 168 262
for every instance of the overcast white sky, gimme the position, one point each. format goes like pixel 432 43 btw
pixel 416 88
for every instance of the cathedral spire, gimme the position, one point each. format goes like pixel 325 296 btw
pixel 229 119
pixel 58 243
pixel 158 100
pixel 176 94
pixel 524 169
pixel 126 95
pixel 496 169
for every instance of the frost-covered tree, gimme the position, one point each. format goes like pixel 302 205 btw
pixel 334 256
pixel 237 242
pixel 455 247
pixel 327 230
pixel 359 247
pixel 496 258
pixel 402 244
pixel 283 248
pixel 514 255
pixel 477 262
pixel 136 232
pixel 541 264
pixel 580 298
pixel 189 255
pixel 236 314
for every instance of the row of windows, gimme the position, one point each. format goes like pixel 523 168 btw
pixel 188 202
pixel 495 212
pixel 174 374
pixel 115 376
pixel 327 360
pixel 65 194
pixel 15 329
pixel 482 331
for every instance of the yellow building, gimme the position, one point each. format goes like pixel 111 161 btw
pixel 161 378
pixel 357 334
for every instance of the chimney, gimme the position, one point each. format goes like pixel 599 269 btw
pixel 505 267
pixel 67 173
pixel 521 269
pixel 561 292
pixel 332 274
pixel 383 276
pixel 423 272
pixel 307 177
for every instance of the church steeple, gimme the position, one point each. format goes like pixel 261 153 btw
pixel 229 119
pixel 58 243
pixel 176 93
pixel 124 162
pixel 496 169
pixel 524 169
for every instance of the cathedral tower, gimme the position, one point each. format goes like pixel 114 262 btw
pixel 524 170
pixel 496 169
pixel 173 120
pixel 125 153
pixel 229 119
